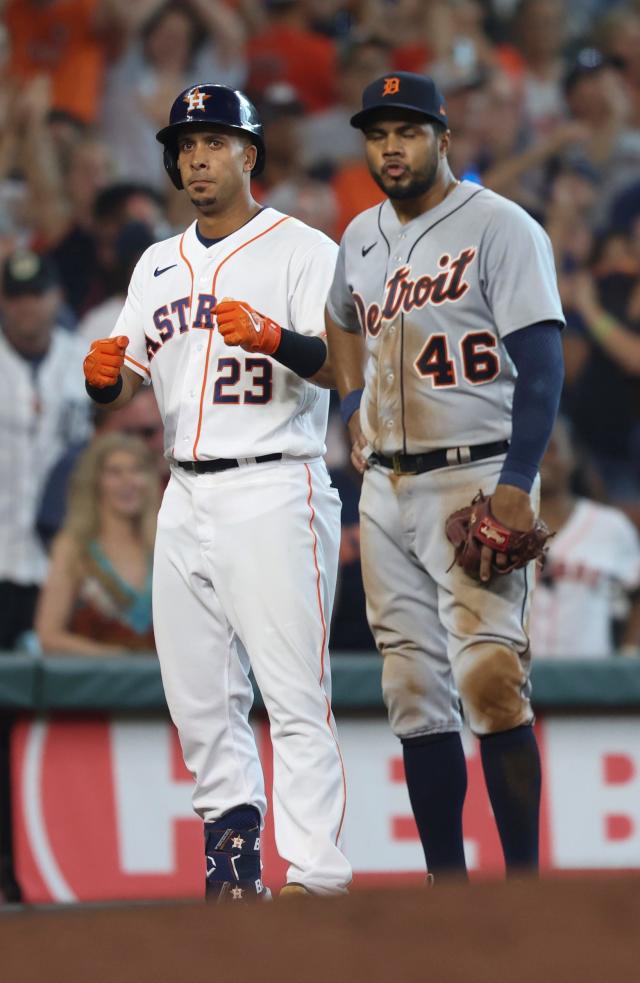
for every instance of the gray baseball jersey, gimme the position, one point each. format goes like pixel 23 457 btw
pixel 435 298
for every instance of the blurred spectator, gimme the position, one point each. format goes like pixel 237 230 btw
pixel 285 184
pixel 355 190
pixel 132 239
pixel 596 97
pixel 43 410
pixel 327 138
pixel 139 418
pixel 285 49
pixel 602 390
pixel 335 18
pixel 97 596
pixel 175 43
pixel 87 254
pixel 412 28
pixel 591 571
pixel 510 161
pixel 281 113
pixel 569 215
pixel 617 35
pixel 539 31
pixel 461 50
pixel 8 93
pixel 63 40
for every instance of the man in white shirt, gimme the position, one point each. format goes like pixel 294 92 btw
pixel 592 565
pixel 43 409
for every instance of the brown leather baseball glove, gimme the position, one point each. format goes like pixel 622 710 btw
pixel 471 528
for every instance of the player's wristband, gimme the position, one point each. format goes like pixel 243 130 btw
pixel 303 354
pixel 104 394
pixel 350 404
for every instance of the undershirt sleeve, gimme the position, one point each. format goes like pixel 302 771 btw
pixel 536 352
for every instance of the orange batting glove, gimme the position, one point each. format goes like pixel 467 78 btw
pixel 104 362
pixel 240 325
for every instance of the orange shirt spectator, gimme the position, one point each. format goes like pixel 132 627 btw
pixel 355 190
pixel 307 61
pixel 58 38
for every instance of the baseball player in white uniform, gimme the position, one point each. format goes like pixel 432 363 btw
pixel 447 293
pixel 590 572
pixel 226 323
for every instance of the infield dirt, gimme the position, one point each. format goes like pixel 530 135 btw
pixel 570 931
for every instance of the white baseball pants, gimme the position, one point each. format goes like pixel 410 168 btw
pixel 244 572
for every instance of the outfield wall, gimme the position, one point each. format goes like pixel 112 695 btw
pixel 100 799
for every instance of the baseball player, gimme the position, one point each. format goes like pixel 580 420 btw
pixel 447 294
pixel 226 323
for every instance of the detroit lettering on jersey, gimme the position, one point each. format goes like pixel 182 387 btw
pixel 217 400
pixel 406 294
pixel 434 300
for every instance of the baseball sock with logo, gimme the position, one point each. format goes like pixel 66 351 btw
pixel 232 855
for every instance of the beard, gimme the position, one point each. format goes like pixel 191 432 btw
pixel 204 205
pixel 418 184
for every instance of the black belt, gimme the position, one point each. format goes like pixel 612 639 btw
pixel 444 458
pixel 224 463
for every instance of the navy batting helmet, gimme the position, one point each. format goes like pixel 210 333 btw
pixel 210 103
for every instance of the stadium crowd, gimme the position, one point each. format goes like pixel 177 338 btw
pixel 543 98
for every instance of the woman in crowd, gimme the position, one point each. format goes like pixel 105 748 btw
pixel 97 596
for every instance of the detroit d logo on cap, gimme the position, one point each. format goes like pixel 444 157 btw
pixel 391 86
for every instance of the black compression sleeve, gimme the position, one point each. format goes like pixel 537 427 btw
pixel 104 394
pixel 536 352
pixel 301 353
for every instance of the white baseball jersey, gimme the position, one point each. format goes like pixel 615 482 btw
pixel 593 556
pixel 435 298
pixel 217 400
pixel 42 411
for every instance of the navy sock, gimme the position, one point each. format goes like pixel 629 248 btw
pixel 511 765
pixel 436 773
pixel 243 817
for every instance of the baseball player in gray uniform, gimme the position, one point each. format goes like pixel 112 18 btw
pixel 443 324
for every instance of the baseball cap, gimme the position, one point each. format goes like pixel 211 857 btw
pixel 401 90
pixel 26 272
pixel 587 62
pixel 278 100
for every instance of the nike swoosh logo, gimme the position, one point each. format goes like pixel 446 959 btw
pixel 368 249
pixel 158 272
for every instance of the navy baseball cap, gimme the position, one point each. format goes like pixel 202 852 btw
pixel 26 272
pixel 401 90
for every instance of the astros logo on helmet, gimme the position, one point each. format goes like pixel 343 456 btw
pixel 195 99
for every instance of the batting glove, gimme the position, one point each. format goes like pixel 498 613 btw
pixel 240 325
pixel 103 364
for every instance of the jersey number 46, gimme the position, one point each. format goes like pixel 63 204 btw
pixel 480 364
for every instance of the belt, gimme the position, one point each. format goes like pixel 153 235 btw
pixel 443 458
pixel 224 463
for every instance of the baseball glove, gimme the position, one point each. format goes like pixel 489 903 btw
pixel 471 528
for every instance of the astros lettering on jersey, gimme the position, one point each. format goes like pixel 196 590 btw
pixel 217 400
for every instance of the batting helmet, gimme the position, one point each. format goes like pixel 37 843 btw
pixel 210 103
